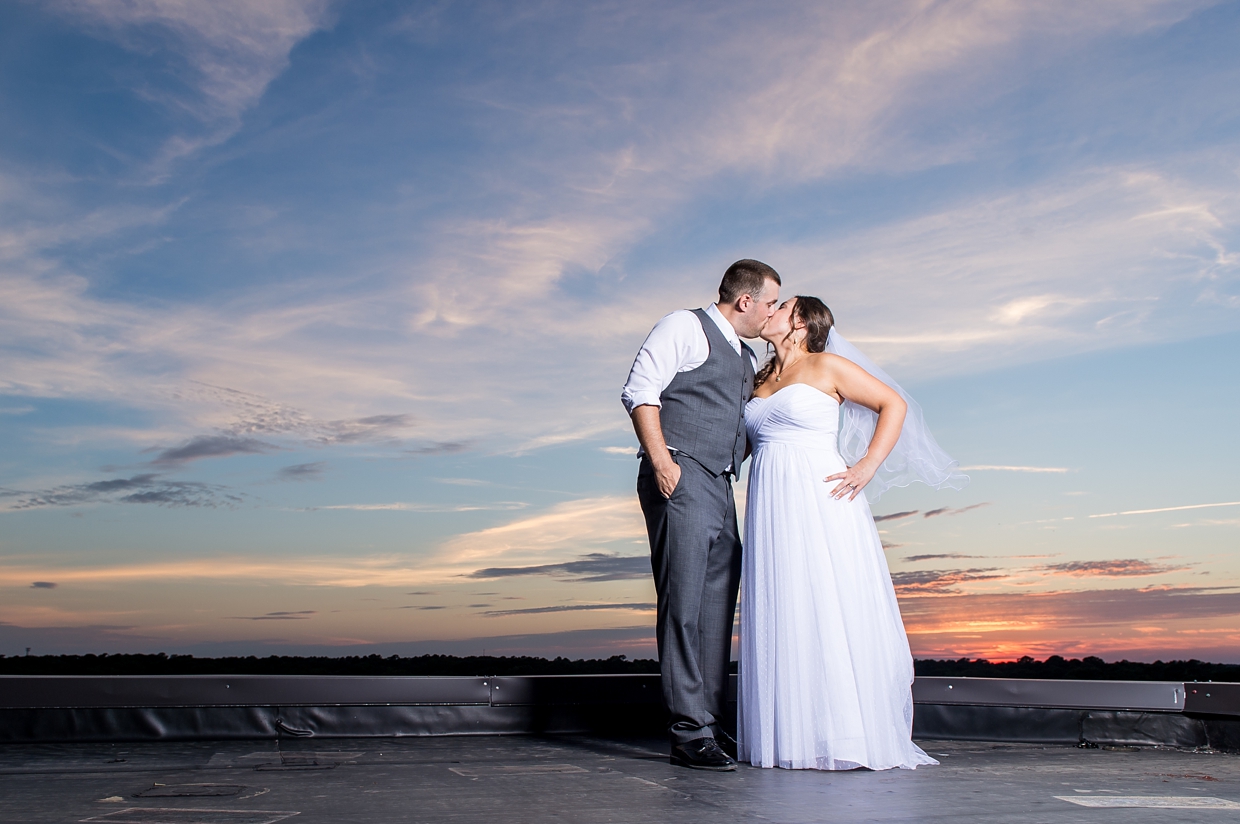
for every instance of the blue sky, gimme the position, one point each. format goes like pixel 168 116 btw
pixel 315 315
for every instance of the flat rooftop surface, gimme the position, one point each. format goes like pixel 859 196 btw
pixel 515 779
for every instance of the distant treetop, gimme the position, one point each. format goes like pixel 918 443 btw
pixel 1089 669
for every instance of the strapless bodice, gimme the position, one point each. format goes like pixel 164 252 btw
pixel 799 415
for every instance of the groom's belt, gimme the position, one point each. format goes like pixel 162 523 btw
pixel 680 454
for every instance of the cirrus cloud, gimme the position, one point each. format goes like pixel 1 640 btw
pixel 146 488
pixel 595 567
pixel 1124 568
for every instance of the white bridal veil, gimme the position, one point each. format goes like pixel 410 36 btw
pixel 917 456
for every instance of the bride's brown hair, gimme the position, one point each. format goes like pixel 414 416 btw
pixel 818 321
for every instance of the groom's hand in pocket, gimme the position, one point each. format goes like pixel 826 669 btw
pixel 667 476
pixel 650 436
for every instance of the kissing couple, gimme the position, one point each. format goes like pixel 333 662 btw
pixel 825 668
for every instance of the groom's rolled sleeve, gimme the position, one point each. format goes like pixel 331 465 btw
pixel 671 347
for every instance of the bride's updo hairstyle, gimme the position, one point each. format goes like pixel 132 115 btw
pixel 818 321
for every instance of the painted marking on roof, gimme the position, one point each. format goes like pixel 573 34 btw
pixel 1167 802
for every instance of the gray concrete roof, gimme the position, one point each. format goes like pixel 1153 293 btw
pixel 515 779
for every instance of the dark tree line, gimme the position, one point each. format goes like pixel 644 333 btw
pixel 1084 669
pixel 162 664
pixel 1091 668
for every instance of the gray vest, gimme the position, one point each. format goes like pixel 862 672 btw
pixel 703 414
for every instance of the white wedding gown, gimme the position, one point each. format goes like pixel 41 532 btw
pixel 825 672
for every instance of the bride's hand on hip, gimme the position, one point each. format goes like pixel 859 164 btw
pixel 851 481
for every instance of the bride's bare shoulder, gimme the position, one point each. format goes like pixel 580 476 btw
pixel 825 361
pixel 823 370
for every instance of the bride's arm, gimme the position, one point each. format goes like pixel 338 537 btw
pixel 853 383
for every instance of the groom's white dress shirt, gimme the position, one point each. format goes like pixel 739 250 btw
pixel 677 343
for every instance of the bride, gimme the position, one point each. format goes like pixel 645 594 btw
pixel 825 669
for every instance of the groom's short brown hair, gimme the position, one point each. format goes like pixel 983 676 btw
pixel 745 277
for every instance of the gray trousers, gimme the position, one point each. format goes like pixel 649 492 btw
pixel 695 553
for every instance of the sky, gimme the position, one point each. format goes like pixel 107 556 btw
pixel 314 316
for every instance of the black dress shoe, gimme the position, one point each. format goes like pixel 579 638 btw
pixel 702 754
pixel 726 743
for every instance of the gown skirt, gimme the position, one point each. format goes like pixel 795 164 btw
pixel 825 669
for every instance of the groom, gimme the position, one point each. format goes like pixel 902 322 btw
pixel 686 395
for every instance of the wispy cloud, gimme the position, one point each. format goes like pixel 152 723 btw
pixel 940 556
pixel 1165 509
pixel 253 414
pixel 362 430
pixel 561 530
pixel 895 516
pixel 299 571
pixel 1040 244
pixel 1112 569
pixel 225 53
pixel 139 489
pixel 570 608
pixel 596 566
pixel 302 472
pixel 1035 469
pixel 43 585
pixel 439 448
pixel 947 510
pixel 210 446
pixel 940 582
pixel 401 506
pixel 300 615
